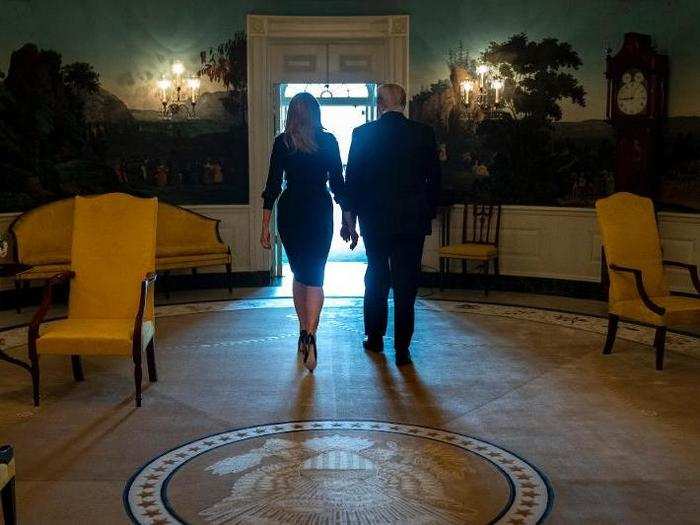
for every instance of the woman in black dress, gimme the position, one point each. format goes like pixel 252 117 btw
pixel 309 158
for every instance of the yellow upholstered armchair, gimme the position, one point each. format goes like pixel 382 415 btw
pixel 110 309
pixel 481 225
pixel 638 289
pixel 7 485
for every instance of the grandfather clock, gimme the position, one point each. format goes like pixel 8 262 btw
pixel 637 101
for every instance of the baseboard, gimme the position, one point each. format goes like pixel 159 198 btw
pixel 206 281
pixel 512 283
pixel 504 283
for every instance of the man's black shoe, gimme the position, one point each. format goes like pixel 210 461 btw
pixel 403 357
pixel 374 344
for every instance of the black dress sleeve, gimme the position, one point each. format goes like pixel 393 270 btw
pixel 273 187
pixel 335 172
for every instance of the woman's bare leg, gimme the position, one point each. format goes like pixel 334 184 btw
pixel 299 291
pixel 314 303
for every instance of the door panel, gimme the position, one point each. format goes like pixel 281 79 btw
pixel 356 62
pixel 298 63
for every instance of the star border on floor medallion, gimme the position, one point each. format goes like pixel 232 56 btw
pixel 146 500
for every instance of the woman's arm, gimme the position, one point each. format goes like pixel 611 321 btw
pixel 273 188
pixel 265 241
pixel 335 173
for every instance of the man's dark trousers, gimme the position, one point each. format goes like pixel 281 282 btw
pixel 393 261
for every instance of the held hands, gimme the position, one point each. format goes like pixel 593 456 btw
pixel 348 232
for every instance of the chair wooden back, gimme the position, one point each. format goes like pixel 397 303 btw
pixel 481 224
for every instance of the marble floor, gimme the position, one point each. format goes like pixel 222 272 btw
pixel 615 440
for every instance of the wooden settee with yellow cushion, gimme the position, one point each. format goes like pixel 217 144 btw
pixel 185 240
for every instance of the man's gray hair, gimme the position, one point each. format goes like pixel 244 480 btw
pixel 392 97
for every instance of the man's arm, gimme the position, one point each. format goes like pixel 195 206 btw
pixel 353 173
pixel 433 173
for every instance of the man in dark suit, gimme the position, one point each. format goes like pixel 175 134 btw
pixel 392 186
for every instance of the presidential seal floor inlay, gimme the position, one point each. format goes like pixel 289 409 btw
pixel 337 472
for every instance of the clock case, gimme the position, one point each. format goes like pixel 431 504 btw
pixel 639 137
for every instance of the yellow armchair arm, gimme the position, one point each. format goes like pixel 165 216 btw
pixel 692 270
pixel 44 308
pixel 46 302
pixel 639 281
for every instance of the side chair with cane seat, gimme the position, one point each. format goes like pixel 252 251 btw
pixel 110 305
pixel 637 283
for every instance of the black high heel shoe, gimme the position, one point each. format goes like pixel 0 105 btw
pixel 303 335
pixel 311 357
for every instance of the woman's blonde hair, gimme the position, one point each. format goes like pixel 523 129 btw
pixel 303 123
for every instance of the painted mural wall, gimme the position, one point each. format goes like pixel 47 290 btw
pixel 80 106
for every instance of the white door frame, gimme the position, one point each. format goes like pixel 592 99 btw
pixel 310 49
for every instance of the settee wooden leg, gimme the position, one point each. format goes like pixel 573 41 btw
pixel 613 320
pixel 151 361
pixel 77 366
pixel 18 296
pixel 229 277
pixel 442 274
pixel 660 346
pixel 9 505
pixel 194 271
pixel 486 278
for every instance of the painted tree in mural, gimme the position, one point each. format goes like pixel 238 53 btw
pixel 537 78
pixel 44 139
pixel 515 156
pixel 227 64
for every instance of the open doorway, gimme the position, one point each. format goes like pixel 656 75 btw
pixel 343 108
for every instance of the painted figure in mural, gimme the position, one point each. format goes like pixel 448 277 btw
pixel 308 158
pixel 161 175
pixel 392 184
pixel 144 170
pixel 120 172
pixel 217 173
pixel 207 172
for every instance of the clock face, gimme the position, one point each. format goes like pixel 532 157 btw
pixel 632 95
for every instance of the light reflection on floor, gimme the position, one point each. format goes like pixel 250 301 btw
pixel 343 279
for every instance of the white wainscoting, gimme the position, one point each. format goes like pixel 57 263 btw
pixel 564 243
pixel 559 243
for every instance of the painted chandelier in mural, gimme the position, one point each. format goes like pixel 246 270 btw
pixel 178 93
pixel 482 91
